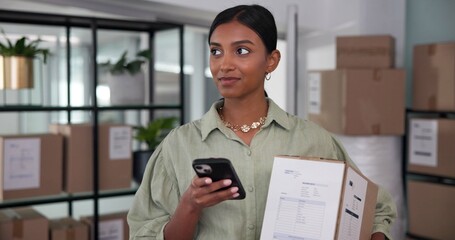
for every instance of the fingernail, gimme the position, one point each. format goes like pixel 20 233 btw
pixel 234 189
pixel 227 182
pixel 236 195
pixel 208 180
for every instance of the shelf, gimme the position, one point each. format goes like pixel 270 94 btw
pixel 78 21
pixel 430 112
pixel 59 90
pixel 430 178
pixel 413 236
pixel 64 197
pixel 37 108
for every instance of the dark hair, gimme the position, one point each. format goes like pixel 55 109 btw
pixel 256 17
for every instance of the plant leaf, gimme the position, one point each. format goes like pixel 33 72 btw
pixel 134 67
pixel 147 54
pixel 155 131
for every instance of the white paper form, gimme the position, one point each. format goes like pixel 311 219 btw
pixel 303 200
pixel 423 148
pixel 111 230
pixel 355 191
pixel 119 143
pixel 314 86
pixel 22 163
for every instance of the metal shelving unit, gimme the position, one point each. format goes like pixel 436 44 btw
pixel 419 176
pixel 94 25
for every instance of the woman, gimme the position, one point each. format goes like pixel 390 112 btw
pixel 246 127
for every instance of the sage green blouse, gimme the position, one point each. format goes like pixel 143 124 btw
pixel 169 173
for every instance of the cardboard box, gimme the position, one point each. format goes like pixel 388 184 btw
pixel 78 156
pixel 111 226
pixel 304 203
pixel 30 165
pixel 430 210
pixel 370 51
pixel 431 148
pixel 23 224
pixel 68 229
pixel 358 101
pixel 114 155
pixel 434 77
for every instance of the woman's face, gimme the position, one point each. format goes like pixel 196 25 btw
pixel 238 60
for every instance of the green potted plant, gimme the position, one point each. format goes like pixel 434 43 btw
pixel 17 62
pixel 125 78
pixel 152 134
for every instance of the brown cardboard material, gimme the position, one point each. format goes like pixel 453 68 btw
pixel 113 173
pixel 68 229
pixel 23 223
pixel 360 101
pixel 340 207
pixel 367 51
pixel 431 214
pixel 434 77
pixel 112 225
pixel 444 153
pixel 50 166
pixel 78 155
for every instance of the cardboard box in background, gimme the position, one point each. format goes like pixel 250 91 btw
pixel 434 77
pixel 431 213
pixel 111 226
pixel 366 51
pixel 358 101
pixel 431 147
pixel 23 223
pixel 30 165
pixel 68 229
pixel 114 155
pixel 303 203
pixel 78 155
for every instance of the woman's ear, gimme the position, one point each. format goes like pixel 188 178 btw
pixel 272 60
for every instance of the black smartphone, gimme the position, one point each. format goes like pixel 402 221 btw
pixel 217 169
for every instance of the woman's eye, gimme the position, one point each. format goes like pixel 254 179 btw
pixel 215 52
pixel 242 51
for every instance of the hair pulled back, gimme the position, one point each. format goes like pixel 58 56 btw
pixel 255 17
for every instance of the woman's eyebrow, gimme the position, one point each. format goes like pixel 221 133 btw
pixel 234 43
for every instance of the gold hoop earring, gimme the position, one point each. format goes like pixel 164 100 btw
pixel 268 76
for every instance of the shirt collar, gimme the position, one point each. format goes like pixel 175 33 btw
pixel 211 120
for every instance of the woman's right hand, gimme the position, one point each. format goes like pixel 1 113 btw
pixel 200 194
pixel 203 193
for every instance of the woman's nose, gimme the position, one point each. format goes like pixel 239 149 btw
pixel 227 63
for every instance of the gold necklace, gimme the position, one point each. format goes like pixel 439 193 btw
pixel 244 128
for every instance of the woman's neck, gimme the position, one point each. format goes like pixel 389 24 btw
pixel 244 111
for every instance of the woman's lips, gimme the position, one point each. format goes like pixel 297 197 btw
pixel 226 81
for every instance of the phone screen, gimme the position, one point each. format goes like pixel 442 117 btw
pixel 218 169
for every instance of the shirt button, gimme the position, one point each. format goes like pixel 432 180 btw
pixel 249 152
pixel 251 226
pixel 250 189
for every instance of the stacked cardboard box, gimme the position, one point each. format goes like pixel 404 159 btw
pixel 114 154
pixel 434 77
pixel 364 98
pixel 430 142
pixel 68 229
pixel 24 224
pixel 431 212
pixel 30 165
pixel 110 226
pixel 431 147
pixel 364 95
